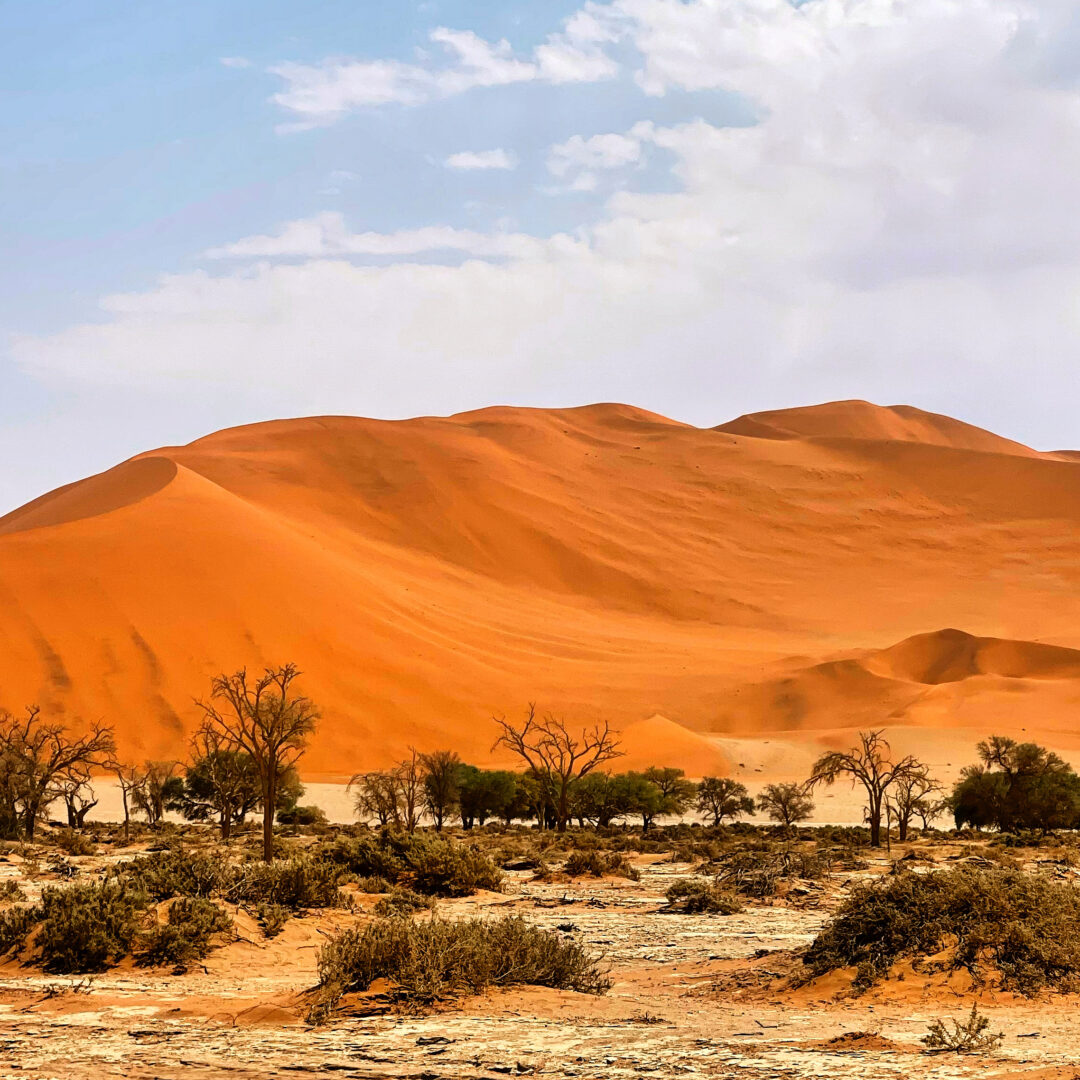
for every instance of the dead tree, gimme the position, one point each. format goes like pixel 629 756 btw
pixel 78 795
pixel 913 796
pixel 869 764
pixel 269 721
pixel 40 756
pixel 549 749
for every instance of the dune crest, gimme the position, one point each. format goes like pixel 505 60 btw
pixel 605 561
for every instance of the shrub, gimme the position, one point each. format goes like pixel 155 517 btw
pixel 185 935
pixel 15 925
pixel 969 1037
pixel 1024 926
pixel 86 927
pixel 365 856
pixel 403 902
pixel 74 843
pixel 599 863
pixel 443 868
pixel 758 872
pixel 433 960
pixel 272 918
pixel 702 897
pixel 10 892
pixel 165 874
pixel 300 882
pixel 373 885
pixel 301 815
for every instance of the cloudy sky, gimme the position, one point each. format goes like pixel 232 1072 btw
pixel 220 211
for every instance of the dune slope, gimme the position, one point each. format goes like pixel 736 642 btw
pixel 604 561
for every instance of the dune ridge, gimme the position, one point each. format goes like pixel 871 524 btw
pixel 778 572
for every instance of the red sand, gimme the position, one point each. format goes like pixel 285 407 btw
pixel 604 561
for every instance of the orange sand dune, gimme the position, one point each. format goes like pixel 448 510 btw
pixel 603 561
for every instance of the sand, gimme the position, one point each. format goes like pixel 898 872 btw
pixel 779 580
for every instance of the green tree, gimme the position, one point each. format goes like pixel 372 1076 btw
pixel 483 794
pixel 786 803
pixel 720 797
pixel 441 790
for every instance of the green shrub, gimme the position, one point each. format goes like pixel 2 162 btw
pixel 403 902
pixel 702 897
pixel 299 882
pixel 373 885
pixel 85 927
pixel 443 868
pixel 165 874
pixel 301 815
pixel 365 856
pixel 74 843
pixel 272 918
pixel 186 934
pixel 433 960
pixel 1024 926
pixel 10 892
pixel 15 926
pixel 598 863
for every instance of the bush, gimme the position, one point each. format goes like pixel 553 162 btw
pixel 272 918
pixel 301 815
pixel 74 843
pixel 759 872
pixel 433 960
pixel 403 902
pixel 186 934
pixel 599 863
pixel 969 1037
pixel 365 856
pixel 300 882
pixel 373 885
pixel 702 897
pixel 10 892
pixel 166 874
pixel 15 926
pixel 1026 927
pixel 443 868
pixel 86 927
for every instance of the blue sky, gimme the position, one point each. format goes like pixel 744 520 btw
pixel 709 208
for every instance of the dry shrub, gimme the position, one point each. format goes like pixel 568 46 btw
pixel 759 872
pixel 272 917
pixel 1025 927
pixel 165 874
pixel 967 1037
pixel 299 882
pixel 443 868
pixel 692 897
pixel 435 960
pixel 10 892
pixel 74 843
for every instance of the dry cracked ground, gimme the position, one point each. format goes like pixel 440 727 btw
pixel 692 995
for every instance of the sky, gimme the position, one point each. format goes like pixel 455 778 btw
pixel 216 212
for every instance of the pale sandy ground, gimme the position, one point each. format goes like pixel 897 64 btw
pixel 666 1015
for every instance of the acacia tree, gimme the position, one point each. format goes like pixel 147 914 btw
pixel 721 797
pixel 269 721
pixel 39 756
pixel 786 803
pixel 549 749
pixel 78 795
pixel 869 764
pixel 151 792
pixel 914 796
pixel 129 779
pixel 221 782
pixel 376 795
pixel 441 785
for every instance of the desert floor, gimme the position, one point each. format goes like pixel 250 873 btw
pixel 693 995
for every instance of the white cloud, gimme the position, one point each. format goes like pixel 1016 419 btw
pixel 234 61
pixel 468 160
pixel 900 224
pixel 318 94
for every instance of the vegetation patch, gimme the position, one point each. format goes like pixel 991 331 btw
pixel 435 960
pixel 690 897
pixel 599 863
pixel 1022 929
pixel 185 936
pixel 403 902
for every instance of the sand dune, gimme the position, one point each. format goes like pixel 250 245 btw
pixel 604 561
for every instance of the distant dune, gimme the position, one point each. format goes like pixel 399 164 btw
pixel 787 571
